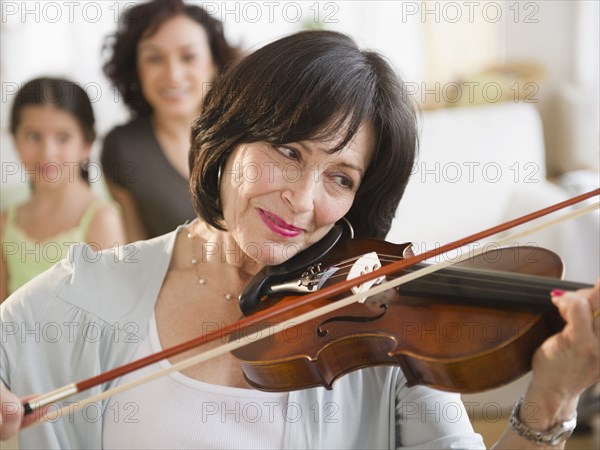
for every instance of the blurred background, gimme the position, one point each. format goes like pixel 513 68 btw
pixel 508 93
pixel 540 52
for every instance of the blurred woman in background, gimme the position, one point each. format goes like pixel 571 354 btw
pixel 164 58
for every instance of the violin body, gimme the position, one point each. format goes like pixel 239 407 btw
pixel 437 336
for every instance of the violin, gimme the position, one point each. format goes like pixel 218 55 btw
pixel 445 330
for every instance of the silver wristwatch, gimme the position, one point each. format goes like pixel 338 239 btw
pixel 554 436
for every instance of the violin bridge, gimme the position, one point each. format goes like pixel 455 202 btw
pixel 367 263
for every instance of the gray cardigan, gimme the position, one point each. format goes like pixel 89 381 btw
pixel 89 313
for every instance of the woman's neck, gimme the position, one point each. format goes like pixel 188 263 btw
pixel 218 247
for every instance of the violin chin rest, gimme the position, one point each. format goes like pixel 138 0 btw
pixel 251 296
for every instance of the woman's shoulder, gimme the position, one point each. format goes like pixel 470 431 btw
pixel 101 224
pixel 116 283
pixel 99 209
pixel 8 216
pixel 121 265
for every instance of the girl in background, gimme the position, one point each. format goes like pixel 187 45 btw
pixel 52 123
pixel 164 58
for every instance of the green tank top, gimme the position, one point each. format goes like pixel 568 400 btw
pixel 25 258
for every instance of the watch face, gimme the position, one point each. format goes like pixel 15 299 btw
pixel 561 437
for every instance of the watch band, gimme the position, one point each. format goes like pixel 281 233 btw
pixel 554 436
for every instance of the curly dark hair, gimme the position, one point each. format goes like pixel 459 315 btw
pixel 308 86
pixel 144 20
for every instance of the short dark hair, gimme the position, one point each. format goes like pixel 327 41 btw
pixel 144 20
pixel 308 86
pixel 62 94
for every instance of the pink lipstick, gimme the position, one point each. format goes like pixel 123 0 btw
pixel 277 225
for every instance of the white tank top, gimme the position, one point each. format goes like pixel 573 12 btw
pixel 178 412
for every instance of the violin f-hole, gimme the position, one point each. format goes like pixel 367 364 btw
pixel 321 332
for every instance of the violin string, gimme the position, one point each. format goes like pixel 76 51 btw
pixel 513 286
pixel 348 263
pixel 473 284
pixel 516 285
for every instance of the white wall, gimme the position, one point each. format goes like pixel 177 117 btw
pixel 564 37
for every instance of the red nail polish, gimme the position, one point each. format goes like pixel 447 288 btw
pixel 557 292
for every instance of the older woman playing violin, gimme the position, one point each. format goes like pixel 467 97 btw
pixel 293 138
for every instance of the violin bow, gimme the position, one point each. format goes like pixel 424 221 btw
pixel 277 310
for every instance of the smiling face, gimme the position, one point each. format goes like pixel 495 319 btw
pixel 278 200
pixel 175 67
pixel 51 144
